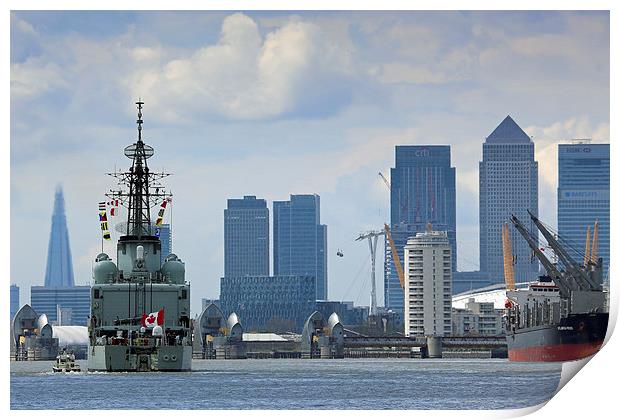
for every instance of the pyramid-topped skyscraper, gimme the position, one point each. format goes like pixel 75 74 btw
pixel 508 185
pixel 59 270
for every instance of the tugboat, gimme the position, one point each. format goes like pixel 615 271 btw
pixel 140 306
pixel 65 362
pixel 564 316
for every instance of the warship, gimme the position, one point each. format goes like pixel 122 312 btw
pixel 564 315
pixel 140 305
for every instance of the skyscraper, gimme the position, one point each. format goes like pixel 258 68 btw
pixel 508 185
pixel 300 240
pixel 246 237
pixel 583 197
pixel 59 271
pixel 422 191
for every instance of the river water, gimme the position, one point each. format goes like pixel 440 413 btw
pixel 370 384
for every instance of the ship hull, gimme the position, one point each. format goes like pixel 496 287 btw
pixel 119 358
pixel 575 337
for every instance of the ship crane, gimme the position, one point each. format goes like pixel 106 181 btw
pixel 584 280
pixel 551 269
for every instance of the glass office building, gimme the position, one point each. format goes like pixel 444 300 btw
pixel 269 303
pixel 300 240
pixel 583 197
pixel 422 191
pixel 14 299
pixel 59 269
pixel 44 300
pixel 246 237
pixel 508 185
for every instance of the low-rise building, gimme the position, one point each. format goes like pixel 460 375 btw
pixel 477 318
pixel 54 300
pixel 269 303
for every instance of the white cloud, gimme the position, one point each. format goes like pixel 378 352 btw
pixel 248 76
pixel 36 77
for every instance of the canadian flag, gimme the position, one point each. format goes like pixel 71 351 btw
pixel 153 319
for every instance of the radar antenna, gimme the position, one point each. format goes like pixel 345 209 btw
pixel 139 189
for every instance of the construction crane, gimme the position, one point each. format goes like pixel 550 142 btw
pixel 395 257
pixel 388 234
pixel 372 237
pixel 509 270
pixel 386 181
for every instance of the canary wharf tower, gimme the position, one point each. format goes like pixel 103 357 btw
pixel 59 270
pixel 508 185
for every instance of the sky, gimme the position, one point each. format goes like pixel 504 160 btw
pixel 278 103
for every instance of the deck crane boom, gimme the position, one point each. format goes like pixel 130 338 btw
pixel 551 269
pixel 584 281
pixel 509 270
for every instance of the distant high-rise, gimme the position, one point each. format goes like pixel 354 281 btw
pixel 59 271
pixel 508 185
pixel 246 237
pixel 423 191
pixel 165 236
pixel 583 197
pixel 300 240
pixel 14 299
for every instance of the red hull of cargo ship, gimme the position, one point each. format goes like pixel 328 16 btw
pixel 554 353
pixel 575 337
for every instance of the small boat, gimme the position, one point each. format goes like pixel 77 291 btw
pixel 65 362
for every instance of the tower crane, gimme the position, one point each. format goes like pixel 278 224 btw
pixel 388 235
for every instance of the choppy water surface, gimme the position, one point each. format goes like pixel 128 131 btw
pixel 293 384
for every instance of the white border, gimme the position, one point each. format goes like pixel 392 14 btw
pixel 590 394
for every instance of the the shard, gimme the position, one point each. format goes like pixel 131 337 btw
pixel 59 270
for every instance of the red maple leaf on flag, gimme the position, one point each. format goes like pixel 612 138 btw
pixel 150 319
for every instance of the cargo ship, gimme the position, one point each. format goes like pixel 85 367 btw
pixel 564 315
pixel 140 305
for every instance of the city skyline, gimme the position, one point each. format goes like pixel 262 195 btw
pixel 386 79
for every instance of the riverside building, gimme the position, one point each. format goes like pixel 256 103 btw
pixel 428 285
pixel 269 303
pixel 54 301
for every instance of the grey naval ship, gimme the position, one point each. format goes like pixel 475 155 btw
pixel 140 306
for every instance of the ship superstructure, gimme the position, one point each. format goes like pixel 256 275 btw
pixel 140 307
pixel 564 315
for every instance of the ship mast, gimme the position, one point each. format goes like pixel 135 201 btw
pixel 143 189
